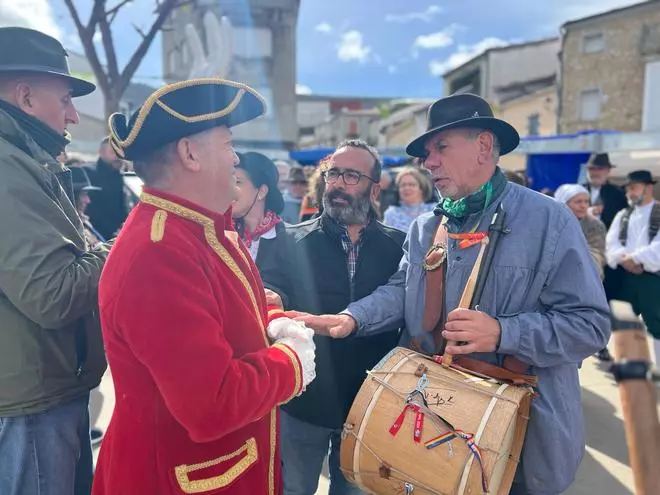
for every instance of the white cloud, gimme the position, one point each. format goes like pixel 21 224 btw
pixel 463 54
pixel 301 89
pixel 35 14
pixel 440 39
pixel 427 16
pixel 351 47
pixel 324 28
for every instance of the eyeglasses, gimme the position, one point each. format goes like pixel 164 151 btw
pixel 350 177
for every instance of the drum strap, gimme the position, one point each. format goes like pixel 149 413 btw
pixel 434 301
pixel 433 321
pixel 505 373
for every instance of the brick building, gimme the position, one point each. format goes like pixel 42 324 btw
pixel 610 71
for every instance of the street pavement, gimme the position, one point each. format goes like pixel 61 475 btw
pixel 604 471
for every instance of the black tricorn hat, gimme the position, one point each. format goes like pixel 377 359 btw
pixel 600 160
pixel 640 176
pixel 182 109
pixel 464 110
pixel 27 50
pixel 262 171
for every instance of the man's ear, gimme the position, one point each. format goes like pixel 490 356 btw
pixel 485 143
pixel 375 191
pixel 24 97
pixel 188 153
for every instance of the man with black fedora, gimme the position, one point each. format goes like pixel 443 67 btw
pixel 51 354
pixel 606 199
pixel 633 245
pixel 543 309
pixel 199 363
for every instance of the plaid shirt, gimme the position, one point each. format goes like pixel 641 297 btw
pixel 352 251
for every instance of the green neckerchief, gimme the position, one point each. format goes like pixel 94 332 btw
pixel 477 202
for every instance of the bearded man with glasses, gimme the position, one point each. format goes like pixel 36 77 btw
pixel 325 264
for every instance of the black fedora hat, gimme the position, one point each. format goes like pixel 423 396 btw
pixel 464 110
pixel 27 50
pixel 640 176
pixel 81 180
pixel 182 109
pixel 599 160
pixel 262 171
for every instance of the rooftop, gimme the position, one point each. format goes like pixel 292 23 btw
pixel 511 46
pixel 611 12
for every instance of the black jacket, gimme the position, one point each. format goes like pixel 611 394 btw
pixel 309 271
pixel 108 209
pixel 613 199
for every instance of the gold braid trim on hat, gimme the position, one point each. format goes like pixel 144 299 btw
pixel 207 116
pixel 154 99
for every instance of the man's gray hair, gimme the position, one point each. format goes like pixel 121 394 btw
pixel 473 133
pixel 152 168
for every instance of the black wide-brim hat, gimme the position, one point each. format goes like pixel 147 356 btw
pixel 464 111
pixel 600 160
pixel 639 176
pixel 80 180
pixel 29 51
pixel 262 171
pixel 182 109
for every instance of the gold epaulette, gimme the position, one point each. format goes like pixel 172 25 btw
pixel 158 225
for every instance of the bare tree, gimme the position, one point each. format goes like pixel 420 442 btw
pixel 109 79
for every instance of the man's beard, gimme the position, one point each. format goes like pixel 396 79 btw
pixel 356 212
pixel 635 201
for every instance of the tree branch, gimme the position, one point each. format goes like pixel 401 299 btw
pixel 96 14
pixel 109 48
pixel 139 31
pixel 113 11
pixel 86 39
pixel 164 11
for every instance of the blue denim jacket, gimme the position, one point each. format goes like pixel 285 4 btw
pixel 547 295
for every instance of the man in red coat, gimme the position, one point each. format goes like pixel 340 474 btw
pixel 198 367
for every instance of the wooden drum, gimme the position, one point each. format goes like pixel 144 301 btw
pixel 417 427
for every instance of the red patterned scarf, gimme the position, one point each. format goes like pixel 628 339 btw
pixel 269 221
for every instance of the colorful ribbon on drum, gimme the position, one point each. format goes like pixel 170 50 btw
pixel 419 422
pixel 469 441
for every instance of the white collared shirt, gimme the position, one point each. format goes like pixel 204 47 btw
pixel 254 248
pixel 637 243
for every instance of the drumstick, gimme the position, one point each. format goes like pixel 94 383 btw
pixel 466 298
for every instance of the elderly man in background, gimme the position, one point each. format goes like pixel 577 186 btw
pixel 51 354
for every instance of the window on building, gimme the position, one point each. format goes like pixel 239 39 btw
pixel 590 104
pixel 593 42
pixel 533 124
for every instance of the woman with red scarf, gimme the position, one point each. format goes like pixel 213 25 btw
pixel 258 205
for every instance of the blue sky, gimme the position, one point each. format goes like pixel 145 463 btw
pixel 394 48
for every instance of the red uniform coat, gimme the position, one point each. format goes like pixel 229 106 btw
pixel 196 381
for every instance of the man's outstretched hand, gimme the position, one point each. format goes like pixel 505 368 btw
pixel 335 326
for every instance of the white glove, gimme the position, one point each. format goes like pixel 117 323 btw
pixel 286 327
pixel 300 339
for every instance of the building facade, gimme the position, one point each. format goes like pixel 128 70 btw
pixel 498 68
pixel 610 71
